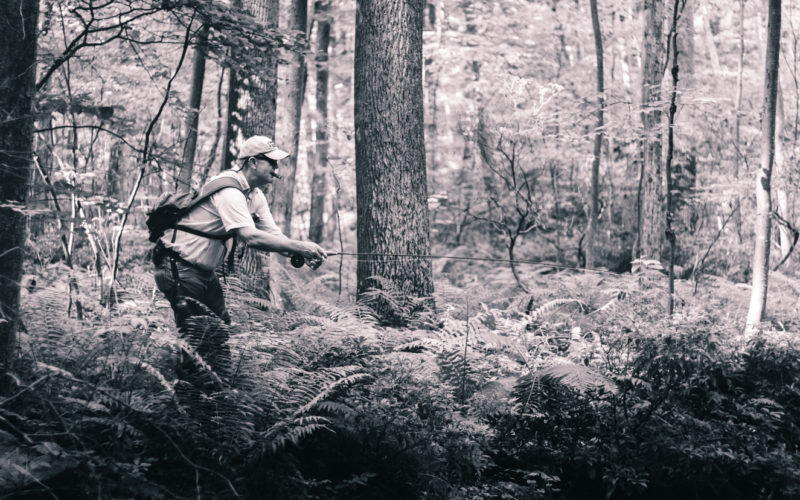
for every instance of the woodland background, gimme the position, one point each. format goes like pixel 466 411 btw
pixel 526 379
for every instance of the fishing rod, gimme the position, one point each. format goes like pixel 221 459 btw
pixel 298 260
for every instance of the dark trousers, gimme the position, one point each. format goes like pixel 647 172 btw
pixel 198 303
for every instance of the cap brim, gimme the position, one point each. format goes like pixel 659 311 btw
pixel 276 154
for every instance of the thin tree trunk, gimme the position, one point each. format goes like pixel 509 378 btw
pixel 391 187
pixel 708 37
pixel 17 88
pixel 652 212
pixel 231 122
pixel 686 48
pixel 184 181
pixel 318 181
pixel 212 155
pixel 785 236
pixel 670 149
pixel 283 197
pixel 758 297
pixel 738 102
pixel 598 139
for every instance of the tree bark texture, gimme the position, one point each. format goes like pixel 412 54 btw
pixel 598 139
pixel 283 199
pixel 758 297
pixel 251 110
pixel 193 116
pixel 652 210
pixel 391 186
pixel 17 88
pixel 252 98
pixel 320 164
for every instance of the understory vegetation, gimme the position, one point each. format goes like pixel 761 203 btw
pixel 582 388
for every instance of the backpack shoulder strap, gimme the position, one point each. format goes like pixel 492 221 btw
pixel 205 192
pixel 214 186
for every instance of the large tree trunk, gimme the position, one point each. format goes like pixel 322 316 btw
pixel 391 187
pixel 283 199
pixel 17 88
pixel 758 297
pixel 251 111
pixel 193 117
pixel 598 139
pixel 252 97
pixel 320 165
pixel 652 211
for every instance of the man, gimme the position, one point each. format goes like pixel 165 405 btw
pixel 186 261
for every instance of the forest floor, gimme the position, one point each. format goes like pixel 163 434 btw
pixel 323 362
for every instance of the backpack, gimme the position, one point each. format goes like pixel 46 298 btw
pixel 172 207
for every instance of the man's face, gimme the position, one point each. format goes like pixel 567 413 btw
pixel 266 169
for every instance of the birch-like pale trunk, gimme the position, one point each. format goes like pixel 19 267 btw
pixel 763 216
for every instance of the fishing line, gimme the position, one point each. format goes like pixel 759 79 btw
pixel 298 260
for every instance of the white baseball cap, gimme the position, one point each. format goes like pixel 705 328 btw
pixel 261 145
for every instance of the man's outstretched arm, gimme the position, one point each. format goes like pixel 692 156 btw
pixel 268 242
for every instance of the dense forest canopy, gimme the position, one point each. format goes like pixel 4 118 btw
pixel 562 239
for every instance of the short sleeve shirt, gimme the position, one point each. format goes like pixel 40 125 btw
pixel 223 212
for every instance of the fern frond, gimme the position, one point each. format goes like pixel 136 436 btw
pixel 294 432
pixel 553 304
pixel 578 377
pixel 55 370
pixel 345 381
pixel 91 405
pixel 116 360
pixel 418 345
pixel 335 408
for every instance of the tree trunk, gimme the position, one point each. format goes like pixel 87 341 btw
pixel 711 45
pixel 738 103
pixel 251 110
pixel 758 297
pixel 114 172
pixel 785 236
pixel 391 187
pixel 231 122
pixel 318 181
pixel 598 139
pixel 184 181
pixel 17 88
pixel 252 98
pixel 652 212
pixel 686 42
pixel 673 107
pixel 283 196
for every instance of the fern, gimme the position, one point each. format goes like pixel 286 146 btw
pixel 577 377
pixel 553 304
